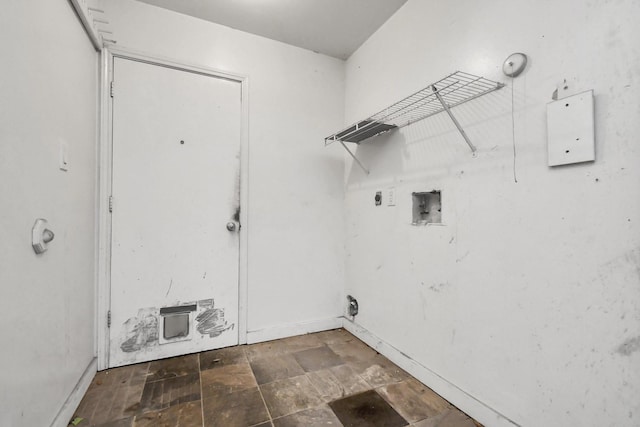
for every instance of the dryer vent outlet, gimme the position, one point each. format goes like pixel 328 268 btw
pixel 353 306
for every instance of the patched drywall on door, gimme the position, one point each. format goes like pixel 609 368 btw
pixel 527 297
pixel 49 86
pixel 295 185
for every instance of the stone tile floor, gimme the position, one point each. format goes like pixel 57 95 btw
pixel 324 379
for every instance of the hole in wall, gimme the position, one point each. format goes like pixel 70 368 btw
pixel 427 208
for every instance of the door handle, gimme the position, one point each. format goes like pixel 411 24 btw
pixel 40 236
pixel 231 226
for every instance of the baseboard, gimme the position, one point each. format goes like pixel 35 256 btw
pixel 454 394
pixel 73 400
pixel 284 331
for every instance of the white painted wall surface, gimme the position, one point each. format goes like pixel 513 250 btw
pixel 48 82
pixel 295 223
pixel 528 298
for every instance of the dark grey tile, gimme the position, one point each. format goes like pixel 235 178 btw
pixel 291 395
pixel 318 358
pixel 222 357
pixel 366 409
pixel 319 416
pixel 413 400
pixel 187 414
pixel 237 409
pixel 173 367
pixel 268 369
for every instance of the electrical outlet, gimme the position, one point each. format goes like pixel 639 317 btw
pixel 378 198
pixel 391 196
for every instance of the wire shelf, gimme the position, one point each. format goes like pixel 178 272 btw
pixel 451 91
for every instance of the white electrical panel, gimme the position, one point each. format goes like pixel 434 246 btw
pixel 570 130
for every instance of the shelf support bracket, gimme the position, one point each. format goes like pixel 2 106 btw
pixel 355 158
pixel 453 119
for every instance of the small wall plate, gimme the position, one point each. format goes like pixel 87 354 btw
pixel 570 129
pixel 514 64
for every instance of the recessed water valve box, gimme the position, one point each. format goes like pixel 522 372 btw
pixel 427 208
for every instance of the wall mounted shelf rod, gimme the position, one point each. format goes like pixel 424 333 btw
pixel 453 119
pixel 355 158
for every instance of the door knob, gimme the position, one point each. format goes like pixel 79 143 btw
pixel 231 226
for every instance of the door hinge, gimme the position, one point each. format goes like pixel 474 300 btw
pixel 111 89
pixel 110 203
pixel 109 319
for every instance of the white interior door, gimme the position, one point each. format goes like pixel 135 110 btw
pixel 175 187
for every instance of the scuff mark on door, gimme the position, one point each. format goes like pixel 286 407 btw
pixel 140 331
pixel 210 321
pixel 169 290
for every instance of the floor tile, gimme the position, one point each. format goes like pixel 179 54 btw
pixel 337 382
pixel 266 349
pixel 187 414
pixel 366 409
pixel 320 416
pixel 228 378
pixel 299 380
pixel 223 357
pixel 173 367
pixel 162 394
pixel 318 358
pixel 291 395
pixel 105 404
pixel 238 409
pixel 124 376
pixel 334 336
pixel 379 371
pixel 450 418
pixel 353 351
pixel 125 422
pixel 268 369
pixel 413 400
pixel 302 342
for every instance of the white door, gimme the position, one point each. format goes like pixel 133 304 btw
pixel 175 187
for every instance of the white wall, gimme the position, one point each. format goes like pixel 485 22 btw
pixel 295 185
pixel 48 82
pixel 528 299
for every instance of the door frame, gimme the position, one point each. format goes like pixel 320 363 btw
pixel 104 188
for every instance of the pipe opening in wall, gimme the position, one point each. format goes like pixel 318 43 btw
pixel 352 307
pixel 427 208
